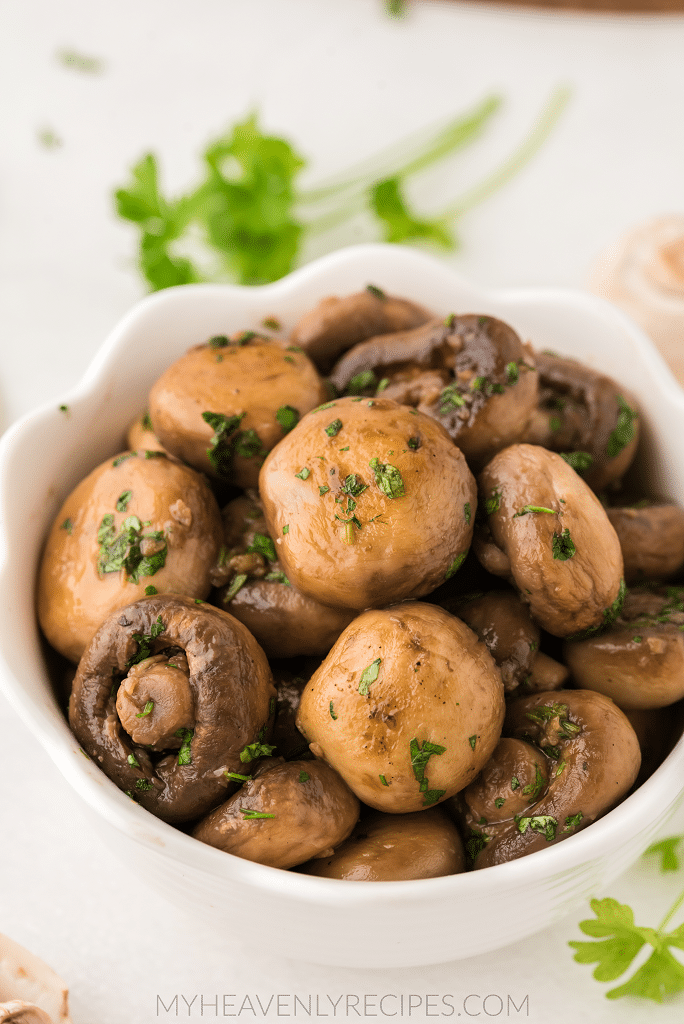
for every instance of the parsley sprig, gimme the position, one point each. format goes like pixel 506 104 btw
pixel 123 550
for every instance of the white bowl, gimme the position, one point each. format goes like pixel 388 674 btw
pixel 353 924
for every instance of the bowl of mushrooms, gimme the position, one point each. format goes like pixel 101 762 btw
pixel 366 576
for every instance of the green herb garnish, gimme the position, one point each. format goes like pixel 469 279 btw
pixel 353 486
pixel 263 545
pixel 185 754
pixel 563 546
pixel 147 710
pixel 450 399
pixel 287 417
pixel 122 501
pixel 572 821
pixel 384 780
pixel 456 565
pixel 512 374
pixel 419 760
pixel 542 823
pixel 332 712
pixel 303 473
pixel 133 761
pixel 475 843
pixel 255 750
pixel 534 789
pixel 236 585
pixel 333 429
pixel 492 504
pixel 466 513
pixel 579 461
pixel 623 432
pixel 368 676
pixel 362 382
pixel 526 509
pixel 68 525
pixel 249 814
pixel 144 642
pixel 388 478
pixel 143 784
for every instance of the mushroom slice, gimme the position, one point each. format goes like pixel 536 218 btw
pixel 582 757
pixel 165 671
pixel 336 324
pixel 30 991
pixel 639 661
pixel 471 373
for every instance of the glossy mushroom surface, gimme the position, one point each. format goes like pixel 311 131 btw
pixel 548 533
pixel 139 520
pixel 652 540
pixel 368 501
pixel 394 848
pixel 286 814
pixel 213 677
pixel 407 707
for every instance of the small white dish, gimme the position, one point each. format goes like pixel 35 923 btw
pixel 352 924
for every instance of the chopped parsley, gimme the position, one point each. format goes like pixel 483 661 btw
pixel 277 577
pixel 512 373
pixel 133 761
pixel 333 428
pixel 228 441
pixel 450 399
pixel 144 642
pixel 147 710
pixel 377 292
pixel 263 545
pixel 249 814
pixel 143 784
pixel 384 383
pixel 332 712
pixel 123 550
pixel 122 501
pixel 255 750
pixel 303 473
pixel 419 760
pixel 515 782
pixel 286 528
pixel 287 417
pixel 235 586
pixel 472 740
pixel 534 508
pixel 579 461
pixel 563 546
pixel 304 776
pixel 475 843
pixel 623 432
pixel 388 478
pixel 323 490
pixel 236 777
pixel 368 676
pixel 184 754
pixel 499 802
pixel 353 486
pixel 493 503
pixel 362 381
pixel 544 824
pixel 572 821
pixel 466 513
pixel 456 565
pixel 414 443
pixel 150 591
pixel 534 789
pixel 554 424
pixel 68 525
pixel 384 780
pixel 122 458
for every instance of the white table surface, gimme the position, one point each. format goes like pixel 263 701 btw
pixel 340 79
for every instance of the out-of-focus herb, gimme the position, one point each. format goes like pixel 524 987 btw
pixel 579 461
pixel 251 216
pixel 287 417
pixel 623 433
pixel 80 62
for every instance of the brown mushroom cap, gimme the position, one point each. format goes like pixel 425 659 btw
pixel 407 707
pixel 394 848
pixel 639 661
pixel 471 373
pixel 175 518
pixel 335 324
pixel 503 622
pixel 548 532
pixel 652 541
pixel 141 437
pixel 512 780
pixel 284 816
pixel 248 381
pixel 585 411
pixel 233 700
pixel 368 501
pixel 594 761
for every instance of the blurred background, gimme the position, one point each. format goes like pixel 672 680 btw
pixel 583 144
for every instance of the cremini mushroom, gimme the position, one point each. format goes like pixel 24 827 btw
pixel 393 848
pixel 141 437
pixel 288 813
pixel 579 756
pixel 30 991
pixel 222 406
pixel 139 523
pixel 639 661
pixel 586 416
pixel 172 699
pixel 407 707
pixel 368 501
pixel 335 324
pixel 643 274
pixel 651 536
pixel 471 373
pixel 547 532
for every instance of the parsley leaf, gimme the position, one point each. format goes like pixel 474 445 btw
pixel 563 546
pixel 255 750
pixel 419 760
pixel 250 814
pixel 333 429
pixel 668 850
pixel 362 382
pixel 623 432
pixel 579 461
pixel 399 225
pixel 263 545
pixel 456 564
pixel 287 417
pixel 388 478
pixel 184 754
pixel 368 676
pixel 124 550
pixel 545 824
pixel 145 641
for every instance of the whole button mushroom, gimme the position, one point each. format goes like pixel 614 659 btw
pixel 335 324
pixel 472 373
pixel 548 533
pixel 169 676
pixel 394 848
pixel 652 540
pixel 513 780
pixel 639 661
pixel 286 622
pixel 223 405
pixel 407 707
pixel 591 761
pixel 588 417
pixel 30 991
pixel 368 502
pixel 141 437
pixel 288 813
pixel 139 521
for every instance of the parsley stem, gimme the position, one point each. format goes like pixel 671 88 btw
pixel 542 129
pixel 672 911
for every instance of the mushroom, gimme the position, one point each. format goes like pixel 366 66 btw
pixel 394 848
pixel 546 674
pixel 586 759
pixel 588 417
pixel 547 532
pixel 643 273
pixel 335 324
pixel 30 991
pixel 164 670
pixel 639 661
pixel 139 523
pixel 223 405
pixel 652 540
pixel 471 373
pixel 368 501
pixel 286 622
pixel 286 814
pixel 141 437
pixel 407 707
